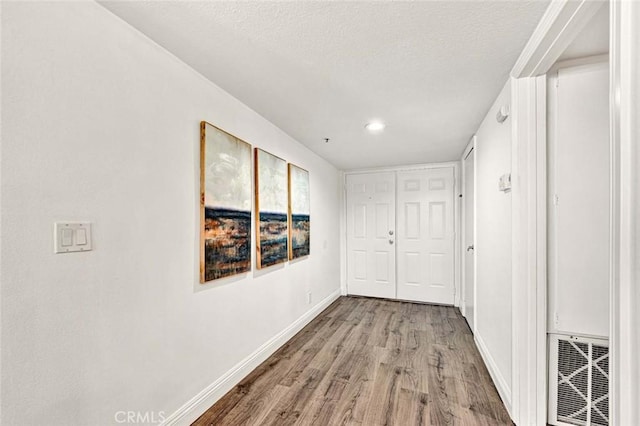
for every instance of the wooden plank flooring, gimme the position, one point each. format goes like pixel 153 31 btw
pixel 369 362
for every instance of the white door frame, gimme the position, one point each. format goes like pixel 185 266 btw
pixel 625 211
pixel 560 24
pixel 463 230
pixel 456 220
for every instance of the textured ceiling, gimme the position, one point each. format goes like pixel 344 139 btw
pixel 323 69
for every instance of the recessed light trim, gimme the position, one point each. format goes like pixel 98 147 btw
pixel 375 126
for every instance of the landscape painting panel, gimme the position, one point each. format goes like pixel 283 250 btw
pixel 271 205
pixel 225 204
pixel 299 232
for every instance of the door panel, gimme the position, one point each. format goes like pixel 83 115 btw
pixel 412 264
pixel 360 264
pixel 371 207
pixel 360 221
pixel 437 225
pixel 579 225
pixel 468 244
pixel 426 235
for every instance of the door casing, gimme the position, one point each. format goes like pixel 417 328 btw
pixel 470 316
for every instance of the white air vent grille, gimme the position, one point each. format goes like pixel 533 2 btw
pixel 579 381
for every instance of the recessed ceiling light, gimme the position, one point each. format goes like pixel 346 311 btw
pixel 375 126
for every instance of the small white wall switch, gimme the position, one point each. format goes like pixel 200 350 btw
pixel 72 237
pixel 504 184
pixel 67 237
pixel 81 236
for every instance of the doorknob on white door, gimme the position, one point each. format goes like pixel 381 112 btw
pixel 390 241
pixel 470 248
pixel 390 232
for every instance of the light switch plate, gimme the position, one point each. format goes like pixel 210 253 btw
pixel 71 237
pixel 504 184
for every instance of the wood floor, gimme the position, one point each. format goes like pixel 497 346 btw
pixel 369 362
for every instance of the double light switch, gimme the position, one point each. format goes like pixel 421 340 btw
pixel 72 237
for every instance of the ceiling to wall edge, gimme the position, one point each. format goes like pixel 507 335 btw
pixel 337 163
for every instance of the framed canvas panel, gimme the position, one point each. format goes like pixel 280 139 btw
pixel 299 211
pixel 271 209
pixel 225 204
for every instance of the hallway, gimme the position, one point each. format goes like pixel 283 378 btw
pixel 320 212
pixel 369 362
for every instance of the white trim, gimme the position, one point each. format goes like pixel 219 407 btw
pixel 560 24
pixel 475 232
pixel 463 231
pixel 1 221
pixel 471 145
pixel 529 249
pixel 343 234
pixel 498 380
pixel 579 62
pixel 537 376
pixel 403 168
pixel 625 209
pixel 457 260
pixel 195 407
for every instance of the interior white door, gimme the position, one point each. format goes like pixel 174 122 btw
pixel 469 224
pixel 426 235
pixel 371 255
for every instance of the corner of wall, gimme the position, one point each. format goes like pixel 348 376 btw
pixel 504 390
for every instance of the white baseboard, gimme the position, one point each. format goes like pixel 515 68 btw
pixel 194 408
pixel 498 379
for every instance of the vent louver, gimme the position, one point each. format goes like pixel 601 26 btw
pixel 579 378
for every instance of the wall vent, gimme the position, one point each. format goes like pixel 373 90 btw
pixel 578 381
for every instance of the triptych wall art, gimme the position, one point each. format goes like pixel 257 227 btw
pixel 225 204
pixel 271 209
pixel 281 197
pixel 298 212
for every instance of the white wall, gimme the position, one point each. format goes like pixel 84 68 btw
pixel 101 124
pixel 493 246
pixel 578 223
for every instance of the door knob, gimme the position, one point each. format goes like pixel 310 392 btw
pixel 390 241
pixel 470 248
pixel 390 232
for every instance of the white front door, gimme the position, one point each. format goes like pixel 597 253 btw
pixel 425 240
pixel 468 243
pixel 371 255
